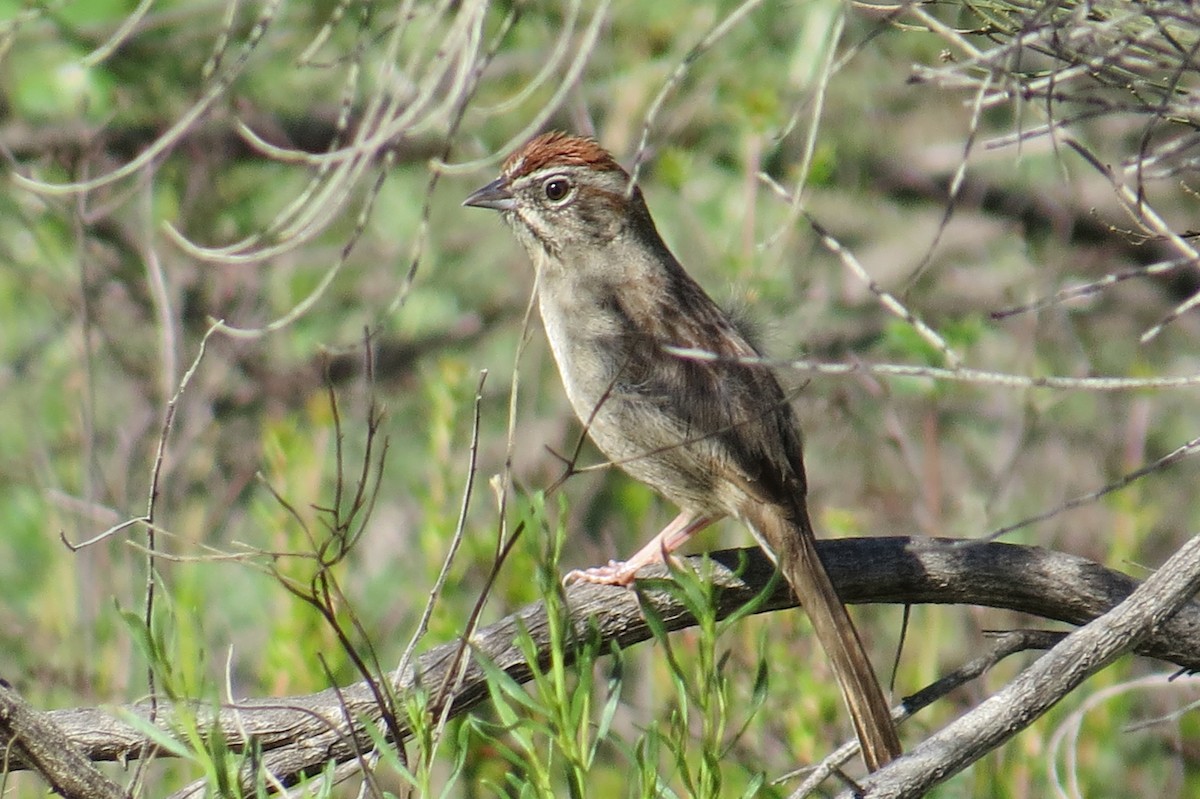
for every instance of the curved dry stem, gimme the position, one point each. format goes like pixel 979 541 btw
pixel 176 132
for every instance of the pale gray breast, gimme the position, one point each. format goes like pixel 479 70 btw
pixel 583 340
pixel 593 348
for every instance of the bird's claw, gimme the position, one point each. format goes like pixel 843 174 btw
pixel 615 573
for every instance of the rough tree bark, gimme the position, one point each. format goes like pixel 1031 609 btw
pixel 301 734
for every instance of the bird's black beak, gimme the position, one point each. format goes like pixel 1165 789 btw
pixel 494 195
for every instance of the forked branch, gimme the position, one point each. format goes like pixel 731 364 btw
pixel 302 733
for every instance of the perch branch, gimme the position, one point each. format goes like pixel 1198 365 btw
pixel 1040 686
pixel 301 733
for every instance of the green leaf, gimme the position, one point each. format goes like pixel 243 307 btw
pixel 158 736
pixel 754 786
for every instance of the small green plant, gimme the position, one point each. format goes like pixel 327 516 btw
pixel 555 733
pixel 549 732
pixel 697 733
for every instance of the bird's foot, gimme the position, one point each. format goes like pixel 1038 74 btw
pixel 617 572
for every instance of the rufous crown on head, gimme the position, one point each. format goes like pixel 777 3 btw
pixel 558 149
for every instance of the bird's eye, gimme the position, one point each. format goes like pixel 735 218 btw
pixel 556 189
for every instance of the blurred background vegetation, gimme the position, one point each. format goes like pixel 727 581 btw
pixel 295 170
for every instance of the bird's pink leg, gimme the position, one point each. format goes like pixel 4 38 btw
pixel 673 536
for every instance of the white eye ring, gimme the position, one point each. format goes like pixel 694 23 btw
pixel 556 189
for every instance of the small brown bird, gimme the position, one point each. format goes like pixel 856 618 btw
pixel 717 438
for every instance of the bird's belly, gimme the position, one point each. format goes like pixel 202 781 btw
pixel 631 428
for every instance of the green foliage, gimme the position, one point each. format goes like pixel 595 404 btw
pixel 556 733
pixel 546 731
pixel 703 680
pixel 102 312
pixel 49 83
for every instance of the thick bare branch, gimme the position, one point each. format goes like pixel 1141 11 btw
pixel 301 733
pixel 32 737
pixel 1042 685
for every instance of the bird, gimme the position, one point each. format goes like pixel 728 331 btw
pixel 716 436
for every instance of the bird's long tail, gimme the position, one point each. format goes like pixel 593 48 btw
pixel 789 534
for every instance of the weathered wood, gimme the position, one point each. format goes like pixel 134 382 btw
pixel 301 733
